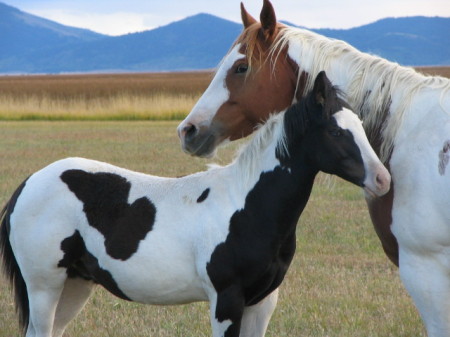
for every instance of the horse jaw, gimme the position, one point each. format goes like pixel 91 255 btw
pixel 377 181
pixel 198 135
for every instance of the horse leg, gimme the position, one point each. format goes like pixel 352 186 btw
pixel 427 280
pixel 256 317
pixel 43 298
pixel 73 298
pixel 226 310
pixel 44 283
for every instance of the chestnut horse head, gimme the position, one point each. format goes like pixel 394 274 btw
pixel 231 107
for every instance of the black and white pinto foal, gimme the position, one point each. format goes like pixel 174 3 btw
pixel 226 235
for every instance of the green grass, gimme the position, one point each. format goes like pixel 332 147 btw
pixel 340 283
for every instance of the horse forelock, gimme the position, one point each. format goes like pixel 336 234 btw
pixel 255 48
pixel 372 84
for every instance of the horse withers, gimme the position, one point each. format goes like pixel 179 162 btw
pixel 407 119
pixel 226 235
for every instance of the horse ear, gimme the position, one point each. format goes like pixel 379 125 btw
pixel 247 19
pixel 268 19
pixel 322 88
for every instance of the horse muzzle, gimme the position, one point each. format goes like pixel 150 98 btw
pixel 378 183
pixel 196 141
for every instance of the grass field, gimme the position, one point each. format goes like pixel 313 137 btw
pixel 340 283
pixel 152 96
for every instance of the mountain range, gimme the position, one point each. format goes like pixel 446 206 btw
pixel 30 44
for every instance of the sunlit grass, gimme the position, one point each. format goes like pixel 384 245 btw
pixel 141 96
pixel 152 96
pixel 160 106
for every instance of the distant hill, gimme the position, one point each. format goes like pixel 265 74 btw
pixel 22 35
pixel 409 41
pixel 30 44
pixel 197 42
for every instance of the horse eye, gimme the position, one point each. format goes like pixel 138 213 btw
pixel 241 69
pixel 335 132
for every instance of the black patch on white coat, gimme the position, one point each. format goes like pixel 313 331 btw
pixel 203 196
pixel 254 252
pixel 254 258
pixel 105 202
pixel 444 157
pixel 80 263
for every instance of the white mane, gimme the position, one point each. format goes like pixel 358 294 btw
pixel 372 80
pixel 248 160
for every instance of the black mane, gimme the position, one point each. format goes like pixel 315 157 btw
pixel 315 108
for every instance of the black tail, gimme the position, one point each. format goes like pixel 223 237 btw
pixel 10 266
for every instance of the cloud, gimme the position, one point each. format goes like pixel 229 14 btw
pixel 116 23
pixel 116 17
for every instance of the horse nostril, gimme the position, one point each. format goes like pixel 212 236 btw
pixel 382 180
pixel 190 132
pixel 379 179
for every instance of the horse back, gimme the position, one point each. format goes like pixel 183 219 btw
pixel 116 227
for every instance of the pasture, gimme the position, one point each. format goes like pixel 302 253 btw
pixel 340 282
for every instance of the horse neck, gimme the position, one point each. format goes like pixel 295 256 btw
pixel 287 178
pixel 378 90
pixel 258 155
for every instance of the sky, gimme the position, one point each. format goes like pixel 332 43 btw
pixel 117 17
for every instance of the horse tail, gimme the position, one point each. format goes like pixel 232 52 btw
pixel 10 267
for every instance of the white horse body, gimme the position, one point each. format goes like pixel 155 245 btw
pixel 156 273
pixel 421 212
pixel 416 144
pixel 156 266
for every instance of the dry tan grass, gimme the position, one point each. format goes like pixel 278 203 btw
pixel 159 106
pixel 106 96
pixel 153 96
pixel 339 285
pixel 435 71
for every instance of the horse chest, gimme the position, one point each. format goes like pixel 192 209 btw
pixel 256 264
pixel 261 240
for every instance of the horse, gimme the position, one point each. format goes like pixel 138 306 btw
pixel 406 117
pixel 225 235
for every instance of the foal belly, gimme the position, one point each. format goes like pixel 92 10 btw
pixel 153 280
pixel 163 270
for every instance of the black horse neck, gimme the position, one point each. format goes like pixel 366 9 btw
pixel 261 240
pixel 280 195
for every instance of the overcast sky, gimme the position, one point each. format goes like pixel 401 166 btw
pixel 116 17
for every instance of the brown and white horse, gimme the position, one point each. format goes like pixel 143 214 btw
pixel 406 116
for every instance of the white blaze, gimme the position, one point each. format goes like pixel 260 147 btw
pixel 215 95
pixel 377 179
